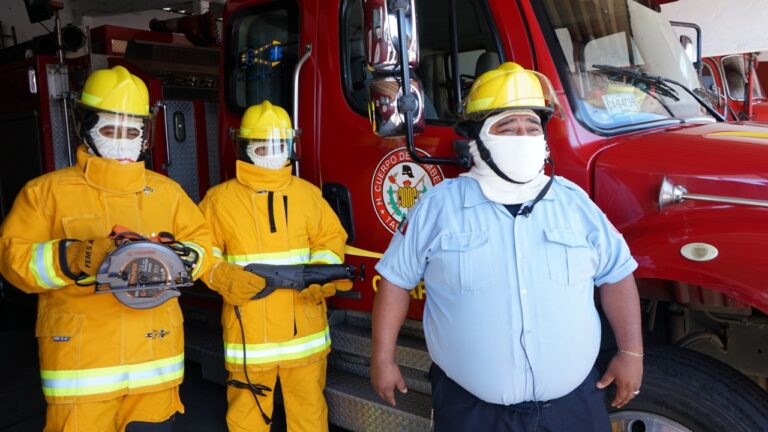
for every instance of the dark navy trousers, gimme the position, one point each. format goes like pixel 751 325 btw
pixel 457 410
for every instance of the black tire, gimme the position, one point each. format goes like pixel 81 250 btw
pixel 685 390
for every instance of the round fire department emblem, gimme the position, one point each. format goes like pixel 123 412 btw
pixel 397 184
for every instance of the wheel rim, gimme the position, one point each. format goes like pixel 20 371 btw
pixel 643 421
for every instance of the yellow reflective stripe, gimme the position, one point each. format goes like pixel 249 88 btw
pixel 217 252
pixel 293 256
pixel 351 250
pixel 109 379
pixel 200 255
pixel 762 135
pixel 277 351
pixel 42 268
pixel 324 256
pixel 90 99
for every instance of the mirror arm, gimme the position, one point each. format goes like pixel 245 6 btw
pixel 698 64
pixel 407 103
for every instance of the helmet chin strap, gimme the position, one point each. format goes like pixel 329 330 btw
pixel 526 211
pixel 473 130
pixel 92 147
pixel 485 155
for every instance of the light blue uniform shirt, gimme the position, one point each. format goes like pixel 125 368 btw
pixel 510 313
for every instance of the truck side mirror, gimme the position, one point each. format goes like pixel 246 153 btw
pixel 687 44
pixel 385 107
pixel 382 38
pixel 388 103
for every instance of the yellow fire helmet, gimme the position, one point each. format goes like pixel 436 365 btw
pixel 510 86
pixel 116 90
pixel 266 133
pixel 112 115
pixel 266 122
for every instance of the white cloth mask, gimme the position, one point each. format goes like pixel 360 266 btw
pixel 519 157
pixel 269 161
pixel 120 149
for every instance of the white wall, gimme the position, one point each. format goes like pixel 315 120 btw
pixel 728 26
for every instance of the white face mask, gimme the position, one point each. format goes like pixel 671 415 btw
pixel 520 157
pixel 270 160
pixel 121 149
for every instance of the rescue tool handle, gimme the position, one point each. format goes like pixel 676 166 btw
pixel 301 276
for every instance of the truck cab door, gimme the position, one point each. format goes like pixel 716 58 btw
pixel 383 181
pixel 262 47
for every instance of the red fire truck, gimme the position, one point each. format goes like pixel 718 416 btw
pixel 734 81
pixel 687 189
pixel 664 167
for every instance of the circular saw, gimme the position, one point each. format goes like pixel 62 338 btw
pixel 142 274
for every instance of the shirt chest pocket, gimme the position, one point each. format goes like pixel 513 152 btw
pixel 569 257
pixel 464 259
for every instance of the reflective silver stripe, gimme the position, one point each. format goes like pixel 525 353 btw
pixel 324 257
pixel 110 379
pixel 200 256
pixel 277 351
pixel 42 267
pixel 296 256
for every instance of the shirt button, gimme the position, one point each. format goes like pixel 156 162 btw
pixel 524 292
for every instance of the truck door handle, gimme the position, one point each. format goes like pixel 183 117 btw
pixel 340 201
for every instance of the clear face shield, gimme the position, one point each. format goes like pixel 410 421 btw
pixel 266 147
pixel 492 94
pixel 122 137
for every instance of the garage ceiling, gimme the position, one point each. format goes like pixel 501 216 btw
pixel 102 8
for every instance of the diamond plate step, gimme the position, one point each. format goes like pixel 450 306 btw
pixel 410 327
pixel 354 405
pixel 415 379
pixel 411 352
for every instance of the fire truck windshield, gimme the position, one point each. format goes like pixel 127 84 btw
pixel 599 39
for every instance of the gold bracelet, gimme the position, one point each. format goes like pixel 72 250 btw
pixel 631 353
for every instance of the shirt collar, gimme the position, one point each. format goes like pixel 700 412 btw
pixel 473 195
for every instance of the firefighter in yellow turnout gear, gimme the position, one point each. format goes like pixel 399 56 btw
pixel 268 216
pixel 104 366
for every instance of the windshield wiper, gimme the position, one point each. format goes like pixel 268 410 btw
pixel 655 80
pixel 661 86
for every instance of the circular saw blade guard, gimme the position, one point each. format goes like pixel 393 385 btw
pixel 142 274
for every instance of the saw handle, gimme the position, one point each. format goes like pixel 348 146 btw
pixel 123 235
pixel 301 276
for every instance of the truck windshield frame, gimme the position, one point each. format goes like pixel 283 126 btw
pixel 626 34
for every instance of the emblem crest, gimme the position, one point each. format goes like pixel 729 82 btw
pixel 397 184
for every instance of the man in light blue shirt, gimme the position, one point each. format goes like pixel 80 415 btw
pixel 510 320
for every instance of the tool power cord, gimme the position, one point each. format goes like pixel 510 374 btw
pixel 256 389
